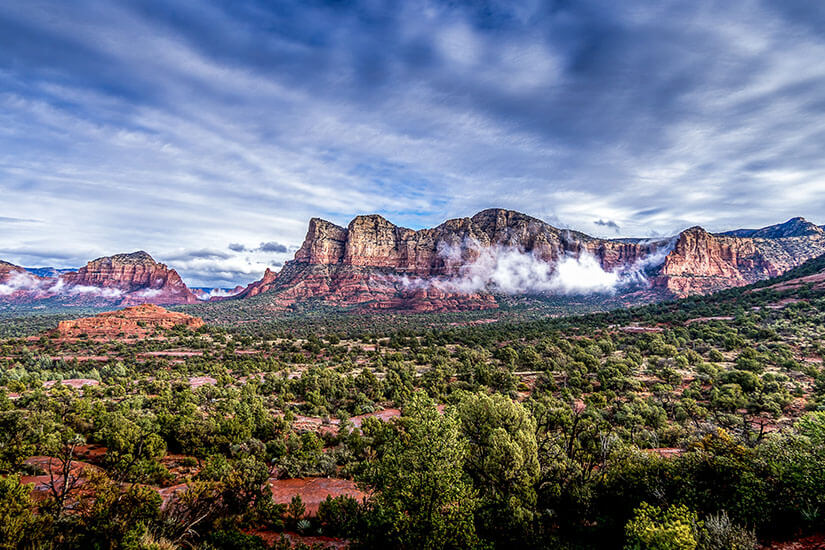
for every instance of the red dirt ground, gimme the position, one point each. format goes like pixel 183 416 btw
pixel 295 538
pixel 313 490
pixel 46 463
pixel 198 381
pixel 813 542
pixel 705 319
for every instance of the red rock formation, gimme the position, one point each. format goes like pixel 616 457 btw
pixel 19 286
pixel 701 262
pixel 140 320
pixel 128 279
pixel 369 263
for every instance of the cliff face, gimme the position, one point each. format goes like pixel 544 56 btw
pixel 134 278
pixel 123 279
pixel 133 321
pixel 370 263
pixel 701 262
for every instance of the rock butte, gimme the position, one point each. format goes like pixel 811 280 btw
pixel 137 277
pixel 139 320
pixel 122 279
pixel 366 263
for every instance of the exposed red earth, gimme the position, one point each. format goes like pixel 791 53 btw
pixel 313 490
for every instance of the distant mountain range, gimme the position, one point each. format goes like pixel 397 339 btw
pixel 462 264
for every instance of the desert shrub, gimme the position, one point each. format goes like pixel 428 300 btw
pixel 654 528
pixel 721 533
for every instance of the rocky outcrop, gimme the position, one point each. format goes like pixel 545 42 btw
pixel 701 263
pixel 123 279
pixel 370 263
pixel 17 285
pixel 128 279
pixel 140 321
pixel 7 269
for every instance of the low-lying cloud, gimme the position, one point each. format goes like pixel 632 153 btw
pixel 509 270
pixel 208 293
pixel 37 287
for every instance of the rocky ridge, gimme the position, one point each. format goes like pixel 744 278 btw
pixel 371 263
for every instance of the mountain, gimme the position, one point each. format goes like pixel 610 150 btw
pixel 701 262
pixel 18 285
pixel 122 279
pixel 134 278
pixel 795 227
pixel 464 263
pixel 375 264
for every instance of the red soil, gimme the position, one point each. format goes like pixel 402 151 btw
pixel 294 538
pixel 198 381
pixel 313 490
pixel 813 542
pixel 705 319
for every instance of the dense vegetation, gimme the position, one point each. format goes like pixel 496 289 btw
pixel 697 424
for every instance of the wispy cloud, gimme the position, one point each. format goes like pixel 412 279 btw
pixel 187 126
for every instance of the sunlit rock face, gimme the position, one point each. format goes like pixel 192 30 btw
pixel 122 279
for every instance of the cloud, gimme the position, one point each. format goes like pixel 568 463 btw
pixel 217 293
pixel 5 219
pixel 509 270
pixel 198 254
pixel 237 124
pixel 609 223
pixel 272 247
pixel 237 247
pixel 85 290
pixel 21 281
pixel 36 287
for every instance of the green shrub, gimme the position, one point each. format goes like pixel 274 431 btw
pixel 674 528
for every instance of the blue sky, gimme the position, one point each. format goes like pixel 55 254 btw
pixel 208 133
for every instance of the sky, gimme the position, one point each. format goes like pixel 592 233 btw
pixel 209 133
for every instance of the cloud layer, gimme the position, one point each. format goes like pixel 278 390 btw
pixel 221 128
pixel 509 270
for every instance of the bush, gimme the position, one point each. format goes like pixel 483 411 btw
pixel 339 515
pixel 651 528
pixel 722 534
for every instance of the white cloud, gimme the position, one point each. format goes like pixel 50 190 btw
pixel 508 270
pixel 195 139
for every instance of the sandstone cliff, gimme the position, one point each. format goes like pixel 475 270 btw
pixel 128 279
pixel 123 279
pixel 370 263
pixel 701 262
